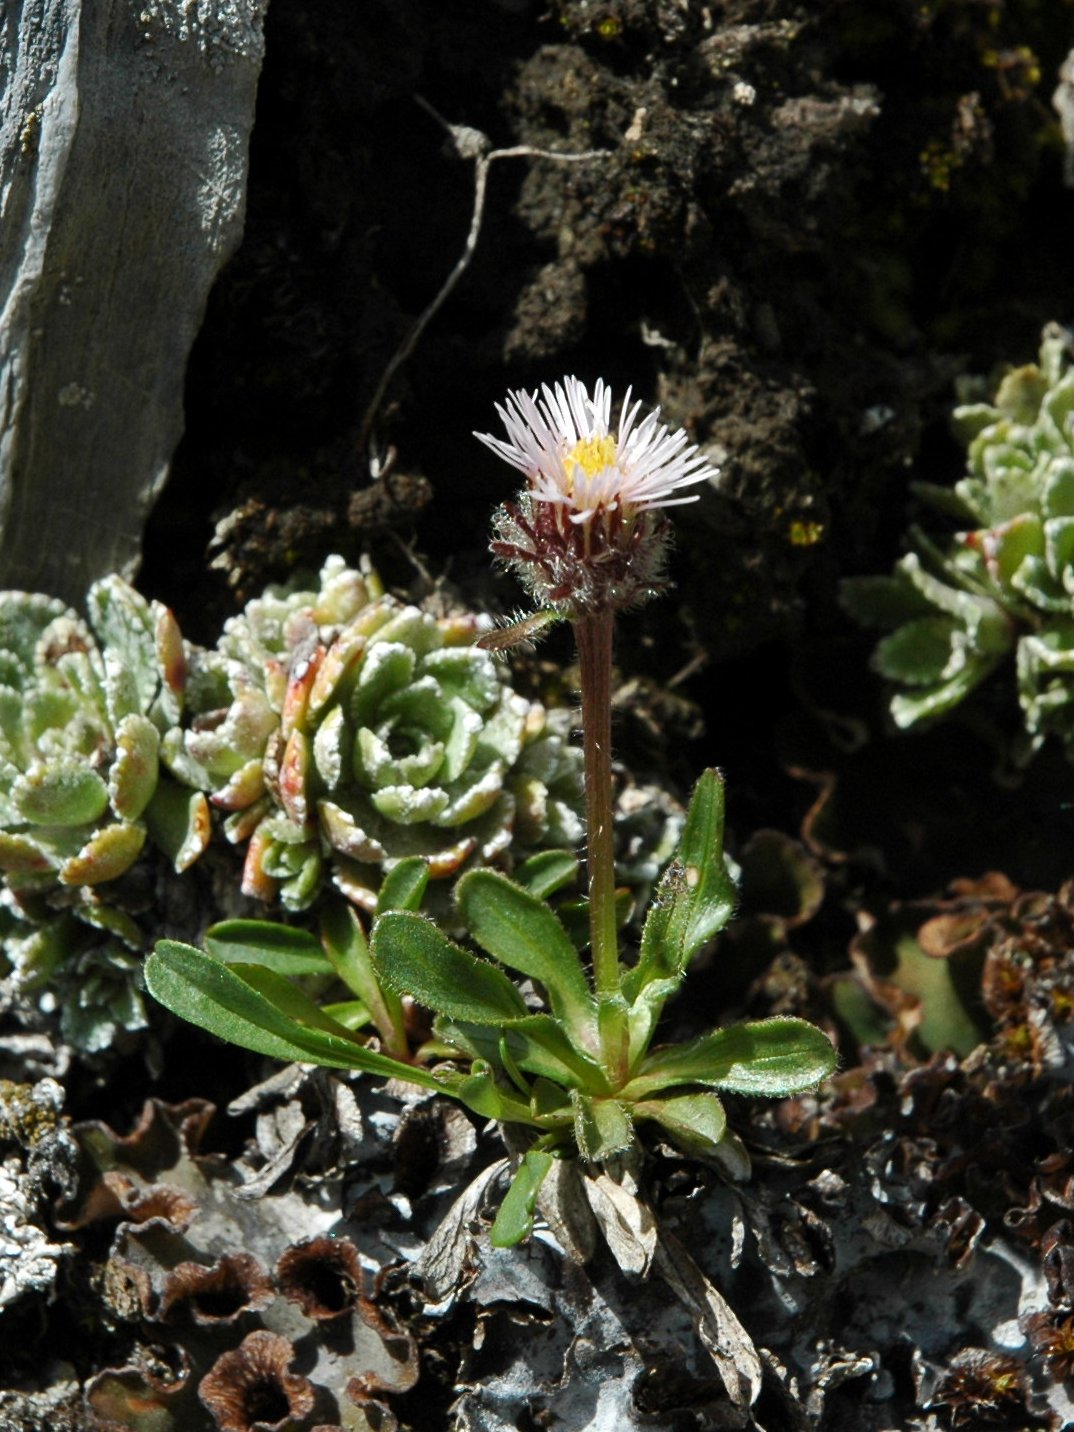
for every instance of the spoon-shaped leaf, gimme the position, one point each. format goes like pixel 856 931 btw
pixel 769 1056
pixel 213 996
pixel 695 896
pixel 412 956
pixel 696 1122
pixel 404 885
pixel 523 933
pixel 602 1127
pixel 282 948
pixel 536 1044
pixel 514 1221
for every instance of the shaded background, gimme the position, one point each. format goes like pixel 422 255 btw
pixel 809 221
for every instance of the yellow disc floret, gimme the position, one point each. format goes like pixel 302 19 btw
pixel 592 455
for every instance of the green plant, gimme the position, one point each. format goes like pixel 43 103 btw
pixel 1004 585
pixel 581 1071
pixel 344 731
pixel 83 710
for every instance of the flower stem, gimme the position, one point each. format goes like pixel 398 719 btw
pixel 593 634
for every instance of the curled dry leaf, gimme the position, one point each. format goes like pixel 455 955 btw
pixel 727 1341
pixel 447 1261
pixel 625 1220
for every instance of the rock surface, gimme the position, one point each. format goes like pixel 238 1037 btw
pixel 124 131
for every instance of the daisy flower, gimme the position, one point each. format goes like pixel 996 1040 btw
pixel 587 533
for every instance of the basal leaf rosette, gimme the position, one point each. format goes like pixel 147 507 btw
pixel 1002 586
pixel 360 731
pixel 83 706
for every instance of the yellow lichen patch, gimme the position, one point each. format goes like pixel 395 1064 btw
pixel 805 534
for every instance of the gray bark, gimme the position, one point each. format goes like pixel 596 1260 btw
pixel 124 133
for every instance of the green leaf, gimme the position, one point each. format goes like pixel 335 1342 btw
pixel 289 999
pixel 523 933
pixel 213 996
pixel 882 601
pixel 263 942
pixel 602 1127
pixel 946 500
pixel 122 619
pixel 988 625
pixel 351 1013
pixel 644 1013
pixel 550 1104
pixel 696 1122
pixel 479 1091
pixel 773 1057
pixel 514 1221
pixel 907 709
pixel 573 915
pixel 404 885
pixel 536 1044
pixel 133 777
pixel 413 957
pixel 108 853
pixel 179 822
pixel 546 872
pixel 346 946
pixel 695 897
pixel 918 653
pixel 64 791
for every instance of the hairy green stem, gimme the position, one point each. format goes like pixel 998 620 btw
pixel 593 634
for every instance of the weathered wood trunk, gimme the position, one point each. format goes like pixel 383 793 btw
pixel 124 133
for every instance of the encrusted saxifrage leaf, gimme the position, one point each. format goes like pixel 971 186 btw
pixel 136 767
pixel 376 735
pixel 179 822
pixel 110 850
pixel 64 791
pixel 1003 583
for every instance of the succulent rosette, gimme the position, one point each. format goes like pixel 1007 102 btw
pixel 359 730
pixel 1003 585
pixel 83 707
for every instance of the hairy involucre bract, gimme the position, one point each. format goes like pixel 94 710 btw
pixel 1003 585
pixel 352 730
